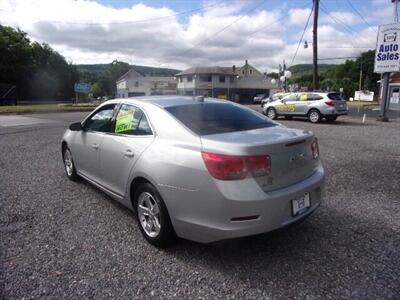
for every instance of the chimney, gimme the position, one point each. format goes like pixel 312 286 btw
pixel 246 62
pixel 234 69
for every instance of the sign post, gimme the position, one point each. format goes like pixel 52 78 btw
pixel 387 60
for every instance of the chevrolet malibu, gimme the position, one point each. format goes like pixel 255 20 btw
pixel 200 169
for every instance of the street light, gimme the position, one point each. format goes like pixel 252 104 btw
pixel 273 81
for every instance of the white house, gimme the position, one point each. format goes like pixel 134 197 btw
pixel 133 83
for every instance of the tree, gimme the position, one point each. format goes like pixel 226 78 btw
pixel 36 69
pixel 344 76
pixel 110 75
pixel 97 90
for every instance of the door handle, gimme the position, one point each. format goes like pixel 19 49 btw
pixel 95 146
pixel 128 153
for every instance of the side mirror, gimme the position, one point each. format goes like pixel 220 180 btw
pixel 76 126
pixel 283 101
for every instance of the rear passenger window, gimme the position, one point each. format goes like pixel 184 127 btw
pixel 314 97
pixel 131 121
pixel 213 118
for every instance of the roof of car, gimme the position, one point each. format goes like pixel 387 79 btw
pixel 164 101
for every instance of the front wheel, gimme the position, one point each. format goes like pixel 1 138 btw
pixel 314 116
pixel 271 113
pixel 153 217
pixel 69 165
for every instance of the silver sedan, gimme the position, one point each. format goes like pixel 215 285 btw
pixel 204 170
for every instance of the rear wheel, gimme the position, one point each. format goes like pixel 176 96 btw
pixel 271 113
pixel 331 119
pixel 153 217
pixel 69 165
pixel 314 116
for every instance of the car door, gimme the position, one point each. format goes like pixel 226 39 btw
pixel 302 105
pixel 87 143
pixel 122 148
pixel 288 105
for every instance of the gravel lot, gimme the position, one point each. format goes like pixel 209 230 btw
pixel 61 239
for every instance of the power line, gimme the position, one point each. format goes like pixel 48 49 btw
pixel 223 29
pixel 302 35
pixel 339 22
pixel 358 13
pixel 344 47
pixel 277 21
pixel 127 22
pixel 335 58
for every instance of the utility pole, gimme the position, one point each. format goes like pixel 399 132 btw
pixel 315 46
pixel 386 78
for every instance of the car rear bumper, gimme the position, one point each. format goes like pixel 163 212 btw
pixel 206 216
pixel 334 112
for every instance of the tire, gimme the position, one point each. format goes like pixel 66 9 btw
pixel 69 166
pixel 271 113
pixel 152 216
pixel 314 116
pixel 331 119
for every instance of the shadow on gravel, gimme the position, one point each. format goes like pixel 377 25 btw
pixel 345 255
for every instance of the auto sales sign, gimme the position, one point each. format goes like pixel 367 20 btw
pixel 387 56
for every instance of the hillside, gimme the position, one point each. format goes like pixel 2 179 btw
pixel 96 69
pixel 307 69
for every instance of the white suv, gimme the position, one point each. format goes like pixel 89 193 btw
pixel 313 105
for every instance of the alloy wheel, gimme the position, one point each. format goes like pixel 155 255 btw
pixel 69 167
pixel 149 214
pixel 271 113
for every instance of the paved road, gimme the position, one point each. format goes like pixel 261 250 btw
pixel 63 240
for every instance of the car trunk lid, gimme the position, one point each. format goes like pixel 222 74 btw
pixel 289 150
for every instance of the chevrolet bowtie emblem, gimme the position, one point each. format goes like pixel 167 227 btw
pixel 297 157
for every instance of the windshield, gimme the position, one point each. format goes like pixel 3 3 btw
pixel 212 118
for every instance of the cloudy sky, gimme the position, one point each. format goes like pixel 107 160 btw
pixel 183 33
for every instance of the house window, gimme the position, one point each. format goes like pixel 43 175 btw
pixel 189 78
pixel 205 78
pixel 251 71
pixel 231 79
pixel 136 83
pixel 180 79
pixel 221 78
pixel 242 72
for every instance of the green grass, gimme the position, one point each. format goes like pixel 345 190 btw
pixel 42 108
pixel 357 103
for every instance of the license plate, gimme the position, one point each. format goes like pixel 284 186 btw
pixel 301 204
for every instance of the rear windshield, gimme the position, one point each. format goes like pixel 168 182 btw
pixel 212 118
pixel 335 96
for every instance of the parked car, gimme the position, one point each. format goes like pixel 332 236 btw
pixel 257 98
pixel 273 98
pixel 313 105
pixel 204 170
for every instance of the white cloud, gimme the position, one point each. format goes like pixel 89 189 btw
pixel 298 16
pixel 89 32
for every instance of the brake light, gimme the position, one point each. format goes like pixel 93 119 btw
pixel 330 103
pixel 232 167
pixel 315 148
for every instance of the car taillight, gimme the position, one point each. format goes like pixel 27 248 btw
pixel 232 167
pixel 315 148
pixel 330 103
